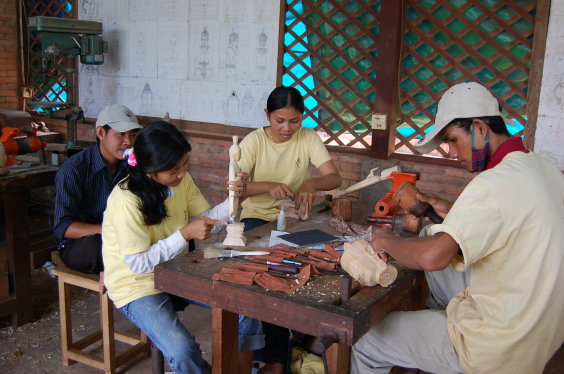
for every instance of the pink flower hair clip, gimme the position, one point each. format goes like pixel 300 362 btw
pixel 131 159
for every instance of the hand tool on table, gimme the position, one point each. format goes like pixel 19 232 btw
pixel 227 253
pixel 370 180
pixel 284 268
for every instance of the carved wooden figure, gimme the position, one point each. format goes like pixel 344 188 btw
pixel 235 236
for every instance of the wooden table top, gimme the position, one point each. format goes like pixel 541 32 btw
pixel 314 309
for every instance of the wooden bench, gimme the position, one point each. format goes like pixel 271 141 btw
pixel 76 350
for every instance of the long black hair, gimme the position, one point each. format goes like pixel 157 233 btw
pixel 159 147
pixel 285 97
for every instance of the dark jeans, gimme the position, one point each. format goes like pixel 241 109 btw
pixel 84 254
pixel 277 339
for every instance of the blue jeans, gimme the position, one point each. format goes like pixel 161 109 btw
pixel 156 316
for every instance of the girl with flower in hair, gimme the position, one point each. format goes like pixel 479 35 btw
pixel 150 217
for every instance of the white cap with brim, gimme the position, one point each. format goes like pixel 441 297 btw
pixel 464 100
pixel 118 117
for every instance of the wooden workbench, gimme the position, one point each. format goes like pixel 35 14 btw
pixel 315 309
pixel 15 190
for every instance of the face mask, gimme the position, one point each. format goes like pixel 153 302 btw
pixel 480 157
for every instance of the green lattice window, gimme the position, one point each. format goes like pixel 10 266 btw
pixel 330 56
pixel 333 49
pixel 448 42
pixel 47 75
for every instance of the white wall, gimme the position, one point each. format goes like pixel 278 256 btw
pixel 199 60
pixel 549 136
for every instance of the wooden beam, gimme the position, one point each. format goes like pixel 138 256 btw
pixel 387 78
pixel 535 75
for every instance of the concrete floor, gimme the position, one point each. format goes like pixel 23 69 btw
pixel 36 347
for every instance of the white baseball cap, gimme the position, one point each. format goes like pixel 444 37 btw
pixel 464 100
pixel 118 117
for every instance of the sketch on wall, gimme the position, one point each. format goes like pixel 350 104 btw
pixel 200 60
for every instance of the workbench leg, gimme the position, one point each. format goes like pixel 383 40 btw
pixel 17 241
pixel 338 359
pixel 225 342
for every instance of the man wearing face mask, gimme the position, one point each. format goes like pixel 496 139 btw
pixel 494 266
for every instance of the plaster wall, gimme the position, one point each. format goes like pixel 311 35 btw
pixel 549 136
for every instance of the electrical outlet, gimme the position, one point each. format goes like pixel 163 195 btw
pixel 378 121
pixel 27 92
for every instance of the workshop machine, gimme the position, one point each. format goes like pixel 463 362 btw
pixel 13 145
pixel 69 38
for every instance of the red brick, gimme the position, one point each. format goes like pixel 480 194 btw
pixel 459 173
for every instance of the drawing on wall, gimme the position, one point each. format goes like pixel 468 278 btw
pixel 247 107
pixel 88 9
pixel 559 92
pixel 200 60
pixel 260 73
pixel 147 100
pixel 173 50
pixel 232 55
pixel 204 62
pixel 143 50
pixel 89 104
pixel 232 107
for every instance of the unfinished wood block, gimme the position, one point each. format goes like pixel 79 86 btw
pixel 365 266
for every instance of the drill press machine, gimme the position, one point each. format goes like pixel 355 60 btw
pixel 69 38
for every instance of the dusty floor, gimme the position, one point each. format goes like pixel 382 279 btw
pixel 36 347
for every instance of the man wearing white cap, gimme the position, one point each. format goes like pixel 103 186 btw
pixel 83 184
pixel 494 266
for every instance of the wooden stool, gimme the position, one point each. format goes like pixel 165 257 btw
pixel 73 351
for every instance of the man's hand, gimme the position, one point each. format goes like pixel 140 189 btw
pixel 200 228
pixel 378 235
pixel 441 206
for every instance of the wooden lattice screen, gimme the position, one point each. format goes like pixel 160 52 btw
pixel 447 42
pixel 333 44
pixel 47 76
pixel 334 50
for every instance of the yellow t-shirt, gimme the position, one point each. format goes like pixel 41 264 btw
pixel 287 163
pixel 509 224
pixel 124 233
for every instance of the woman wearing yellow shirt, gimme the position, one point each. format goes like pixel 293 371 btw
pixel 278 159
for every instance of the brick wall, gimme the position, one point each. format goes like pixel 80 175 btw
pixel 9 97
pixel 209 162
pixel 209 165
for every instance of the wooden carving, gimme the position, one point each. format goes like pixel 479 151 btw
pixel 365 266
